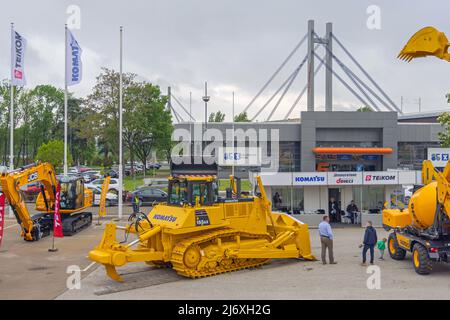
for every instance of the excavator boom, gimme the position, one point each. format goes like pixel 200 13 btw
pixel 74 199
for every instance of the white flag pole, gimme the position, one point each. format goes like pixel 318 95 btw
pixel 120 209
pixel 232 167
pixel 11 110
pixel 65 101
pixel 11 115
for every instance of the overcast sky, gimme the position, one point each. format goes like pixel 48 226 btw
pixel 235 45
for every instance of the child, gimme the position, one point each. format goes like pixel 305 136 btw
pixel 381 245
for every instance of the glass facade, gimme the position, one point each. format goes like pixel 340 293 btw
pixel 369 197
pixel 290 199
pixel 412 154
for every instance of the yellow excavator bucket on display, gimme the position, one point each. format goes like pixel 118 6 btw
pixel 426 42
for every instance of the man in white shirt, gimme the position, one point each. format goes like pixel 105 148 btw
pixel 326 239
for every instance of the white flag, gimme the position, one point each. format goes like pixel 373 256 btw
pixel 73 60
pixel 18 47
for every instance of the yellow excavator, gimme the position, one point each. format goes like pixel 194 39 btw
pixel 74 199
pixel 424 227
pixel 198 233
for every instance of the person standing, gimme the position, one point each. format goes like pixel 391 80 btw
pixel 136 203
pixel 370 240
pixel 352 210
pixel 381 245
pixel 276 200
pixel 333 209
pixel 326 240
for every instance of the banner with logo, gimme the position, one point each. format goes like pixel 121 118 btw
pixel 380 177
pixel 18 48
pixel 439 156
pixel 344 178
pixel 309 178
pixel 57 223
pixel 2 216
pixel 73 60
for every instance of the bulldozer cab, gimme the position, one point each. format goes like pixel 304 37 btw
pixel 71 193
pixel 185 190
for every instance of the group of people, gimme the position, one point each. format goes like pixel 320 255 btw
pixel 336 213
pixel 370 240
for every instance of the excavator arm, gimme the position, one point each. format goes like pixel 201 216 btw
pixel 12 181
pixel 426 42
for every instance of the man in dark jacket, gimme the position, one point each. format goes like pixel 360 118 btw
pixel 352 211
pixel 370 240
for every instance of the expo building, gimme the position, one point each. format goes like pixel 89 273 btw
pixel 368 157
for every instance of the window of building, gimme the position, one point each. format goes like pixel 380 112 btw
pixel 369 197
pixel 412 154
pixel 288 199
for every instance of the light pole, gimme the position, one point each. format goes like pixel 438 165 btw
pixel 205 98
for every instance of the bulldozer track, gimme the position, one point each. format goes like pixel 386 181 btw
pixel 179 251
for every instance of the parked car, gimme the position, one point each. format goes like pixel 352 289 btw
pixel 91 175
pixel 158 183
pixel 113 184
pixel 31 190
pixel 153 166
pixel 83 169
pixel 148 195
pixel 111 198
pixel 112 173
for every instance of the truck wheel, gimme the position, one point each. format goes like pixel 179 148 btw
pixel 395 251
pixel 421 259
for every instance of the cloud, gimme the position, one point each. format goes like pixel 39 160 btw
pixel 234 45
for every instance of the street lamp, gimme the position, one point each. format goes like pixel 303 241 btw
pixel 205 98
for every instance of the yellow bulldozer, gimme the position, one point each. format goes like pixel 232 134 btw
pixel 198 233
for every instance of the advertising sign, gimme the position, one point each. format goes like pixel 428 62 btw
pixel 439 156
pixel 309 178
pixel 239 156
pixel 380 177
pixel 344 178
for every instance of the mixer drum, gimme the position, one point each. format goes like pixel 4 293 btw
pixel 422 206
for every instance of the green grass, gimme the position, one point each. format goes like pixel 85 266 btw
pixel 131 183
pixel 225 183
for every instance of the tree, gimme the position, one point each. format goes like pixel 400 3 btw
pixel 147 123
pixel 216 117
pixel 448 97
pixel 364 109
pixel 444 136
pixel 53 152
pixel 104 115
pixel 241 117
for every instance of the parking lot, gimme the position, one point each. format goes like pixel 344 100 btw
pixel 29 271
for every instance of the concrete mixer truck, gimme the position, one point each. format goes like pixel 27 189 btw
pixel 424 227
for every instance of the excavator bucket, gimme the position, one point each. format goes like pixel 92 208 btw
pixel 426 42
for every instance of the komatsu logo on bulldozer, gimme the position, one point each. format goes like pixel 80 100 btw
pixel 201 218
pixel 165 218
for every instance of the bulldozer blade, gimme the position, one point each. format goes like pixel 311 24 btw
pixel 112 273
pixel 426 42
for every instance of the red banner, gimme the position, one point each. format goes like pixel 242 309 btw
pixel 57 224
pixel 2 216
